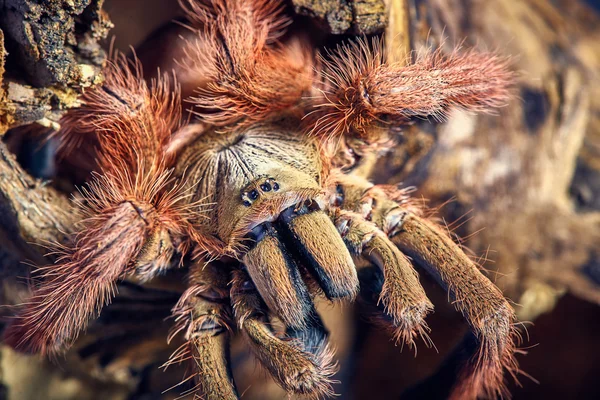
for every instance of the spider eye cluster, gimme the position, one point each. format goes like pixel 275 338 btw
pixel 256 189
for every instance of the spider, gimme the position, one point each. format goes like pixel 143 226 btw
pixel 262 194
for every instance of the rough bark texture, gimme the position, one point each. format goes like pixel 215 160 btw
pixel 53 54
pixel 345 16
pixel 31 212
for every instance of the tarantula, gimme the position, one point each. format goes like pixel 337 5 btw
pixel 261 193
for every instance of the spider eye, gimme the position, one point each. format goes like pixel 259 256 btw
pixel 265 187
pixel 276 186
pixel 253 194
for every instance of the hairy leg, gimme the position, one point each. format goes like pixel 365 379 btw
pixel 203 315
pixel 482 304
pixel 401 294
pixel 300 361
pixel 131 211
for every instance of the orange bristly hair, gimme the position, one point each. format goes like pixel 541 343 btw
pixel 131 200
pixel 360 88
pixel 129 118
pixel 250 75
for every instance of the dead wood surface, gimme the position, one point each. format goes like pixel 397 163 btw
pixel 54 53
pixel 345 16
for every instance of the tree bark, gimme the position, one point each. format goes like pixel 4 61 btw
pixel 54 53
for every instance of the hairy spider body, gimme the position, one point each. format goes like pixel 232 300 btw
pixel 256 193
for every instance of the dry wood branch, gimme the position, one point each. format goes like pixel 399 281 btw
pixel 346 16
pixel 32 214
pixel 53 53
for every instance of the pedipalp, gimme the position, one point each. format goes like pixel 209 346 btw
pixel 482 304
pixel 299 366
pixel 401 294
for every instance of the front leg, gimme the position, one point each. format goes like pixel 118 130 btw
pixel 401 294
pixel 221 298
pixel 488 313
pixel 84 278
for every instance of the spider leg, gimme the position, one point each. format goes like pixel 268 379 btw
pixel 83 280
pixel 401 294
pixel 361 88
pixel 131 211
pixel 203 314
pixel 250 71
pixel 482 304
pixel 300 362
pixel 488 313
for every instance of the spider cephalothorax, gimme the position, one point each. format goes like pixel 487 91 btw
pixel 267 181
pixel 255 192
